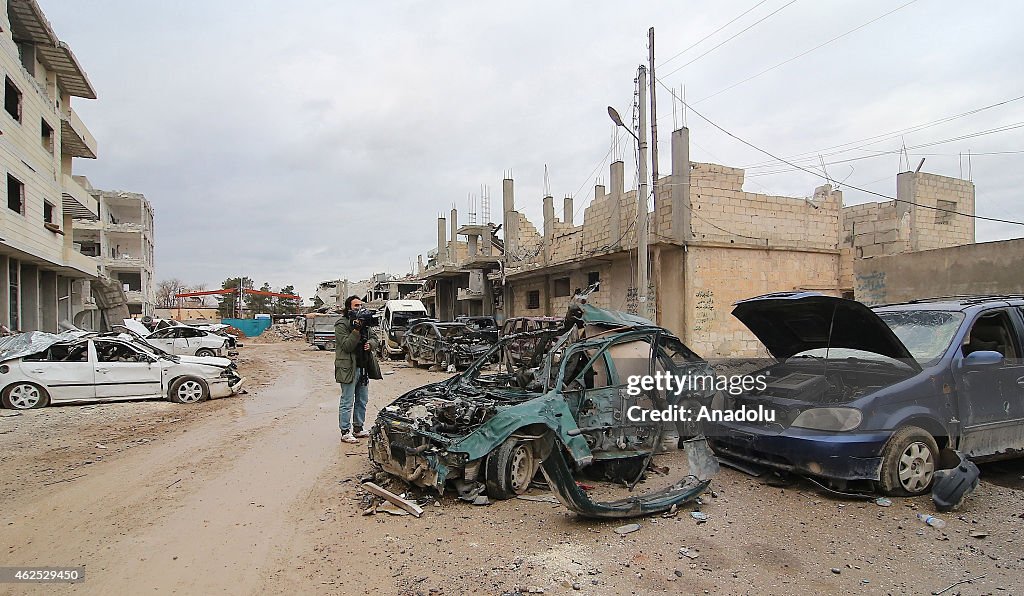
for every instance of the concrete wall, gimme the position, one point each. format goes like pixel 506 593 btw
pixel 986 268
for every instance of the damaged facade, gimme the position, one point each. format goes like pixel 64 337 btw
pixel 121 241
pixel 41 272
pixel 713 244
pixel 459 275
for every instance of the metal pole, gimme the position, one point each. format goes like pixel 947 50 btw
pixel 642 222
pixel 654 128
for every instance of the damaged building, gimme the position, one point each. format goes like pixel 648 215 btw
pixel 41 271
pixel 121 241
pixel 710 244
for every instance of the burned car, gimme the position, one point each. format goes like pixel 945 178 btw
pixel 493 426
pixel 37 369
pixel 520 350
pixel 443 344
pixel 877 395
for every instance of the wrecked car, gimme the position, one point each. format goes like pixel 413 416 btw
pixel 396 318
pixel 181 340
pixel 520 350
pixel 492 427
pixel 878 394
pixel 443 344
pixel 38 369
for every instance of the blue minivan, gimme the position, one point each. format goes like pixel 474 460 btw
pixel 875 394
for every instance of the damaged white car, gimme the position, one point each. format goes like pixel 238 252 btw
pixel 181 340
pixel 38 369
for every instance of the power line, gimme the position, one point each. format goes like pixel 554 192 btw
pixel 804 53
pixel 727 40
pixel 871 192
pixel 889 135
pixel 1005 128
pixel 705 38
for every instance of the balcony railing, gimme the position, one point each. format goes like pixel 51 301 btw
pixel 128 228
pixel 123 261
pixel 467 294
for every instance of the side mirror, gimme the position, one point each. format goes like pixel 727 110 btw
pixel 982 358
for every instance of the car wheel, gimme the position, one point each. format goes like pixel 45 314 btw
pixel 510 469
pixel 205 352
pixel 908 462
pixel 188 390
pixel 25 396
pixel 440 359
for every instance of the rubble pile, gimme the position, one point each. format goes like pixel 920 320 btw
pixel 281 332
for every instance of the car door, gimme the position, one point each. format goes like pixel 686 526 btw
pixel 163 339
pixel 65 369
pixel 991 396
pixel 122 371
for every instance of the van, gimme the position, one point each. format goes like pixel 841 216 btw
pixel 394 320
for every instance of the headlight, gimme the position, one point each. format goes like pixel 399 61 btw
pixel 838 419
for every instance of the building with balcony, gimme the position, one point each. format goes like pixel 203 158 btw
pixel 44 278
pixel 120 240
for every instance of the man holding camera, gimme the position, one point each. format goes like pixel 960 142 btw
pixel 354 366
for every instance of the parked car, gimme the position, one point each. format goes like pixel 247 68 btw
pixel 433 342
pixel 521 349
pixel 181 340
pixel 874 394
pixel 320 331
pixel 37 369
pixel 493 427
pixel 396 317
pixel 486 326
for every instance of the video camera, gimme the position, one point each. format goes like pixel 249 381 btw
pixel 364 317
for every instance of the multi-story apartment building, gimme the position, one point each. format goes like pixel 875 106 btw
pixel 121 240
pixel 41 272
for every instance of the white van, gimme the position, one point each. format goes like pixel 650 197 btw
pixel 394 320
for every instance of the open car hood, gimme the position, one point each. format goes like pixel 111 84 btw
pixel 793 322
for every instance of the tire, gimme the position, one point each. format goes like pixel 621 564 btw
pixel 25 396
pixel 909 462
pixel 205 352
pixel 188 390
pixel 509 469
pixel 440 359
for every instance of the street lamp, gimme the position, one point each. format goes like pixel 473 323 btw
pixel 641 195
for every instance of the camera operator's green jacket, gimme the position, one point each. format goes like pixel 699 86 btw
pixel 346 345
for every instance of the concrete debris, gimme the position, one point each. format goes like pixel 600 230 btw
pixel 387 495
pixel 279 332
pixel 627 529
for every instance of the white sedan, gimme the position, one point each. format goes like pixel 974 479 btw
pixel 181 340
pixel 38 369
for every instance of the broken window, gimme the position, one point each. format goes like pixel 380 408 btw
pixel 533 299
pixel 12 99
pixel 15 195
pixel 46 134
pixel 47 212
pixel 945 212
pixel 593 277
pixel 561 287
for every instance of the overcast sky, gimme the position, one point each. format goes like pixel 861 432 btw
pixel 294 142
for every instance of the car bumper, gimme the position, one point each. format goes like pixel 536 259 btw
pixel 226 387
pixel 840 455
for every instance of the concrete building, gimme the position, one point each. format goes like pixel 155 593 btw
pixel 384 287
pixel 121 241
pixel 332 293
pixel 459 278
pixel 41 272
pixel 712 244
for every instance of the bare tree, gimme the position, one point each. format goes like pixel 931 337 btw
pixel 166 290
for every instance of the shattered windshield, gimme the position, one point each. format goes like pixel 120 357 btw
pixel 926 333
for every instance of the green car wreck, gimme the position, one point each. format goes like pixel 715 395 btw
pixel 562 412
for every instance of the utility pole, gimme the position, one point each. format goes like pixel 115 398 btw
pixel 654 127
pixel 642 222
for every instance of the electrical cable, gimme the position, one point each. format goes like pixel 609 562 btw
pixel 864 190
pixel 705 38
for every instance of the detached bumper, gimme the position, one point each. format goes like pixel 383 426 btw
pixel 840 455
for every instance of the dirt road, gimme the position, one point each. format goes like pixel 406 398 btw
pixel 255 494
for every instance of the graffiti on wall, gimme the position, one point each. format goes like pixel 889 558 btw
pixel 704 310
pixel 870 288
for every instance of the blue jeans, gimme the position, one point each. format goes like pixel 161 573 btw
pixel 347 415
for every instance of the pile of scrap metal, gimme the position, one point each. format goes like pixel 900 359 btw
pixel 446 344
pixel 562 412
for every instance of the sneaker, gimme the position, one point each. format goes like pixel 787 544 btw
pixel 361 434
pixel 349 438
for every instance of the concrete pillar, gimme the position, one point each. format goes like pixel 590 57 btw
pixel 419 264
pixel 48 301
pixel 615 213
pixel 549 226
pixel 473 244
pixel 5 293
pixel 680 189
pixel 453 253
pixel 567 210
pixel 906 212
pixel 29 297
pixel 509 218
pixel 442 244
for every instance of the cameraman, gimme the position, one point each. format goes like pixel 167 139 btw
pixel 354 350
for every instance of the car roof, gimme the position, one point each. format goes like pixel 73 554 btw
pixel 954 303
